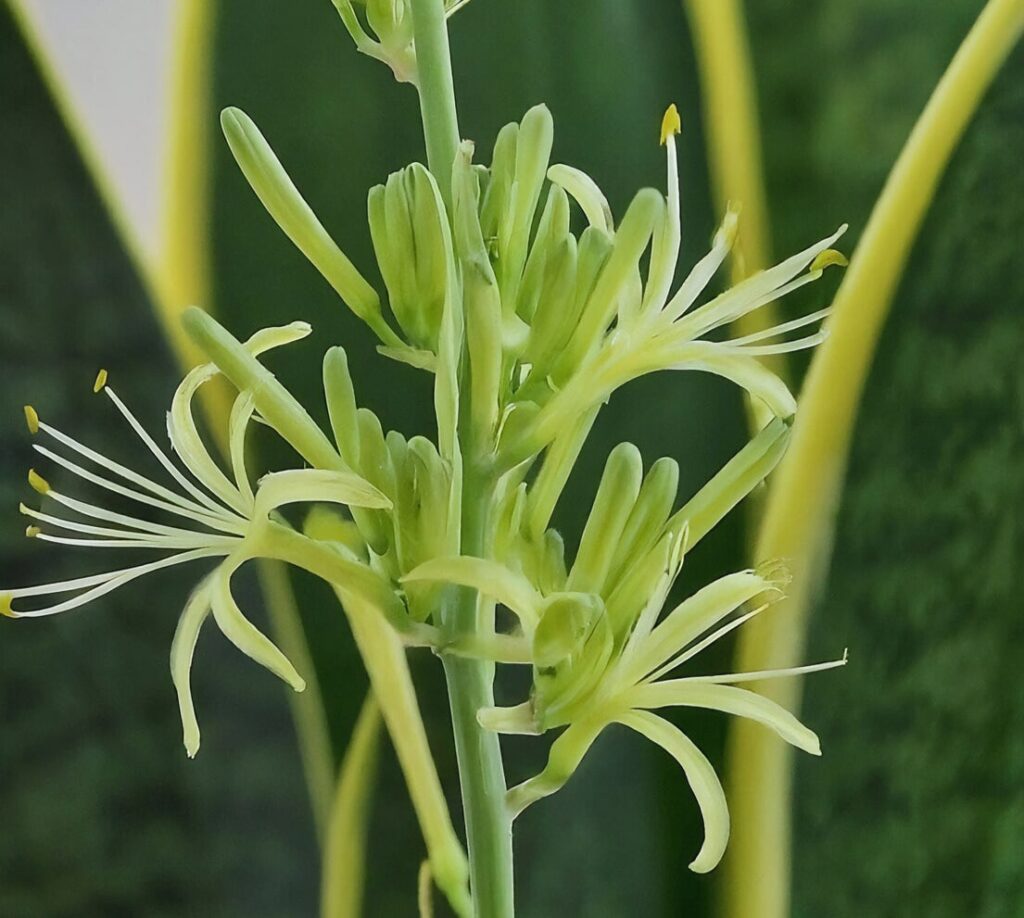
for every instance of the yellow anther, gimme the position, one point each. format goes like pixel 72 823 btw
pixel 32 419
pixel 32 531
pixel 828 258
pixel 5 606
pixel 101 381
pixel 671 123
pixel 37 482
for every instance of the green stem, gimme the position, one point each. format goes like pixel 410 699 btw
pixel 481 773
pixel 470 682
pixel 437 91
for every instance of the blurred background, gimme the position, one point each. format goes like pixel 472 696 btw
pixel 917 806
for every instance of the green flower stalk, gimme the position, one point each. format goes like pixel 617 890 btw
pixel 516 289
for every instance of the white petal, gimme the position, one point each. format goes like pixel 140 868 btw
pixel 184 435
pixel 242 632
pixel 585 191
pixel 512 590
pixel 197 609
pixel 729 700
pixel 702 779
pixel 101 583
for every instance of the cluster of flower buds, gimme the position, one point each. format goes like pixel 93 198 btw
pixel 530 306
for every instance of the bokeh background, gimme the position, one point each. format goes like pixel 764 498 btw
pixel 918 804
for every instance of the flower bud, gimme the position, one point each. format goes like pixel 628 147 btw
pixel 616 495
pixel 275 189
pixel 740 475
pixel 408 233
pixel 647 518
pixel 533 151
pixel 276 405
pixel 341 404
pixel 631 240
pixel 494 211
pixel 594 250
pixel 551 237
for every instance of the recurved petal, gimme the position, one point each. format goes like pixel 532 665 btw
pixel 316 485
pixel 490 578
pixel 242 632
pixel 702 779
pixel 197 609
pixel 729 700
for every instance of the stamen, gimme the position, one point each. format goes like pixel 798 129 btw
pixel 32 420
pixel 808 319
pixel 702 645
pixel 106 583
pixel 828 258
pixel 198 514
pixel 100 382
pixel 161 456
pixel 133 523
pixel 134 477
pixel 167 544
pixel 32 531
pixel 735 678
pixel 785 347
pixel 37 482
pixel 671 124
pixel 157 538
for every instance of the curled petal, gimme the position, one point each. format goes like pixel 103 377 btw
pixel 182 650
pixel 702 779
pixel 585 191
pixel 490 578
pixel 316 485
pixel 242 632
pixel 729 700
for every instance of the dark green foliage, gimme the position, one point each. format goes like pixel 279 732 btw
pixel 103 815
pixel 916 807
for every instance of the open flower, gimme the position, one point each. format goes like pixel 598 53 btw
pixel 600 648
pixel 601 317
pixel 215 515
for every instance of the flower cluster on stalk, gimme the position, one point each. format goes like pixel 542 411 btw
pixel 529 304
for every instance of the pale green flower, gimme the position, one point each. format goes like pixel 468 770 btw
pixel 599 317
pixel 599 646
pixel 216 516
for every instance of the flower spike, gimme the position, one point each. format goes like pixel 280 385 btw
pixel 219 516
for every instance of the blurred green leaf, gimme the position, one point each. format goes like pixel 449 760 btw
pixel 103 814
pixel 916 807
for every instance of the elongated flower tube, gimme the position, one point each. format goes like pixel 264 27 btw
pixel 215 515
